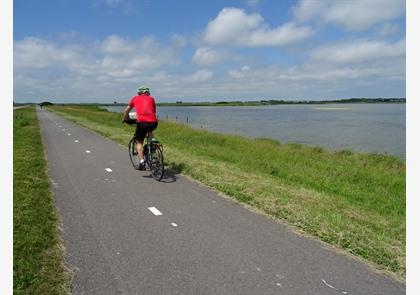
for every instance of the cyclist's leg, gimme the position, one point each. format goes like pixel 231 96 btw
pixel 142 129
pixel 139 148
pixel 152 126
pixel 140 135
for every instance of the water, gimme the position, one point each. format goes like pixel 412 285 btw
pixel 358 127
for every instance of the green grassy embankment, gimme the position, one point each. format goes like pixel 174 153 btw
pixel 38 264
pixel 353 201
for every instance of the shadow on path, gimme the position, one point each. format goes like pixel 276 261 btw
pixel 170 175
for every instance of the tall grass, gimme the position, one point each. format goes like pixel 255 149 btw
pixel 38 266
pixel 353 201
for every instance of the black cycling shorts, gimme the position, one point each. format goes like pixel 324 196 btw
pixel 142 129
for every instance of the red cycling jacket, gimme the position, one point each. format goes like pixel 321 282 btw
pixel 145 108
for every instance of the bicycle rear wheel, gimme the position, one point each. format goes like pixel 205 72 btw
pixel 155 161
pixel 132 152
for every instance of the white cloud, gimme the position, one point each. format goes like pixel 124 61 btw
pixel 313 80
pixel 122 58
pixel 200 76
pixel 233 26
pixel 110 64
pixel 34 52
pixel 350 74
pixel 285 34
pixel 359 51
pixel 241 73
pixel 178 41
pixel 113 54
pixel 206 56
pixel 352 15
pixel 363 74
pixel 116 45
pixel 110 69
pixel 307 10
pixel 339 68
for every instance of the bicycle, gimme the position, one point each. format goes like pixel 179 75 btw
pixel 153 154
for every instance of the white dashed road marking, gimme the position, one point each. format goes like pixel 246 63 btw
pixel 174 224
pixel 76 140
pixel 334 288
pixel 68 134
pixel 155 211
pixel 87 152
pixel 108 169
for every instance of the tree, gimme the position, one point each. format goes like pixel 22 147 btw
pixel 45 103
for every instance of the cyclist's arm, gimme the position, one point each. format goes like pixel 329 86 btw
pixel 126 112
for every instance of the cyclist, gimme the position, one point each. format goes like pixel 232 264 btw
pixel 146 119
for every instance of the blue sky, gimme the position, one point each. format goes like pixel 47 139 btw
pixel 101 50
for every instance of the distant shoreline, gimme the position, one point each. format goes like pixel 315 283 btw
pixel 238 103
pixel 284 102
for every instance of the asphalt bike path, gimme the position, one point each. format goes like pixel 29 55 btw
pixel 125 233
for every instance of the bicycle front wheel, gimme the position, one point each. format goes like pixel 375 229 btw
pixel 132 152
pixel 156 163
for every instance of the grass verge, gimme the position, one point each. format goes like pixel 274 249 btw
pixel 38 264
pixel 353 201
